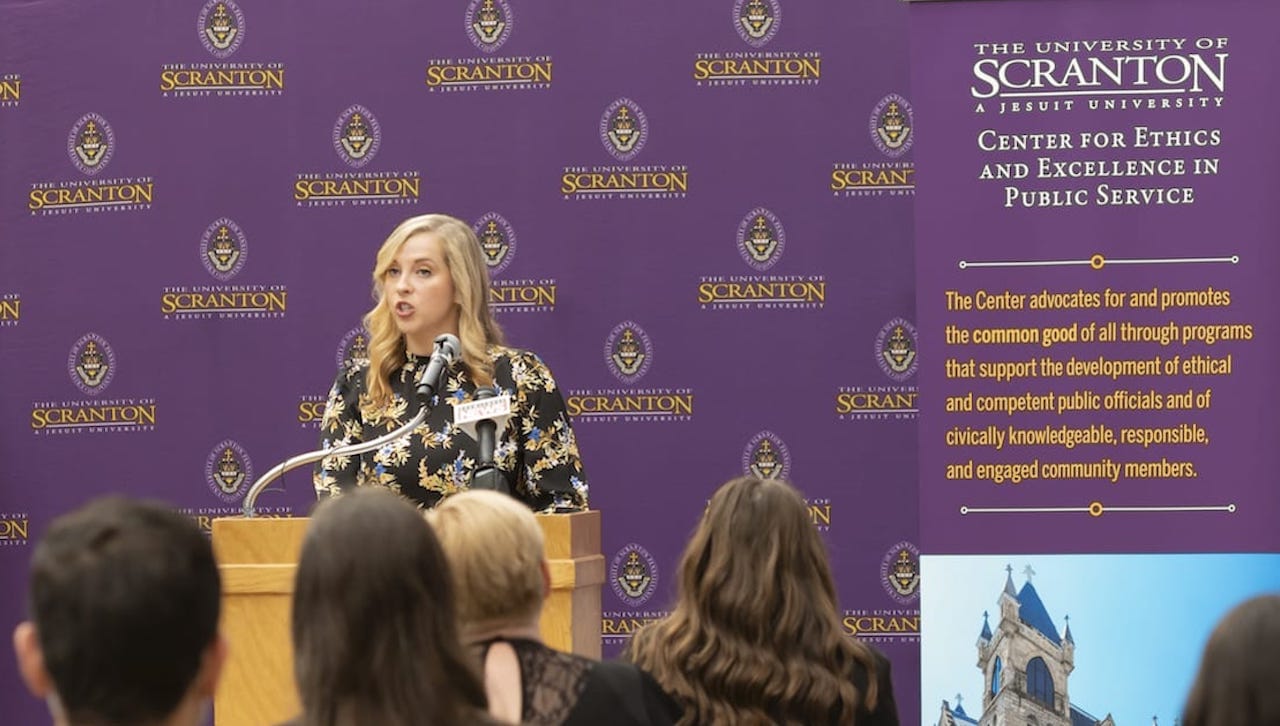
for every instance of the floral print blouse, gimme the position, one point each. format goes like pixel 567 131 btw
pixel 536 451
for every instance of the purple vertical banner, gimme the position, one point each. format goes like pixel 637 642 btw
pixel 1097 331
pixel 1094 277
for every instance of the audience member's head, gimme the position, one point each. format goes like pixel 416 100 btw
pixel 494 546
pixel 495 549
pixel 124 605
pixel 374 629
pixel 1239 679
pixel 755 634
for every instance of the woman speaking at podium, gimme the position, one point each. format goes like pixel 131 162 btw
pixel 430 279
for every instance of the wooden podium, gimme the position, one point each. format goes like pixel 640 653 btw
pixel 258 558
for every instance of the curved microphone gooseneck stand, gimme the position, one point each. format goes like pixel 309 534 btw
pixel 358 447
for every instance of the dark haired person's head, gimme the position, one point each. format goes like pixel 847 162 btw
pixel 1239 673
pixel 123 603
pixel 374 630
pixel 755 634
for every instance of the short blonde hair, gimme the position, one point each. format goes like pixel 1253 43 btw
pixel 494 547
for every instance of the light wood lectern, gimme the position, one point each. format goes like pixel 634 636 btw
pixel 258 557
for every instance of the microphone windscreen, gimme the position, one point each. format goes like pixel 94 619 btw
pixel 448 346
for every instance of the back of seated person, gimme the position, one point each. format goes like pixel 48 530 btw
pixel 495 551
pixel 1239 679
pixel 123 603
pixel 374 627
pixel 755 635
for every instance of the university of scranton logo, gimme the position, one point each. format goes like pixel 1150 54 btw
pixel 892 132
pixel 489 24
pixel 223 252
pixel 617 626
pixel 356 136
pixel 761 239
pixel 10 89
pixel 311 410
pixel 1059 76
pixel 354 348
pixel 628 352
pixel 15 529
pixel 633 574
pixel 623 132
pixel 221 27
pixel 873 179
pixel 624 129
pixel 497 241
pixel 757 21
pixel 228 471
pixel 91 364
pixel 900 625
pixel 91 144
pixel 896 349
pixel 203 517
pixel 10 309
pixel 767 457
pixel 819 513
pixel 900 572
pixel 892 126
pixel 896 355
pixel 223 249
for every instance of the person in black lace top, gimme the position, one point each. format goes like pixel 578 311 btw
pixel 430 279
pixel 375 634
pixel 755 635
pixel 494 546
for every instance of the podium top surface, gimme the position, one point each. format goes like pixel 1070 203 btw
pixel 277 540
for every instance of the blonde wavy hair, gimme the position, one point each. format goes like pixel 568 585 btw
pixel 494 547
pixel 477 330
pixel 755 636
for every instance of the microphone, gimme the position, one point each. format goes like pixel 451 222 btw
pixel 447 348
pixel 485 430
pixel 480 417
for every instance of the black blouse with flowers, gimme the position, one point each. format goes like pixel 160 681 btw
pixel 536 451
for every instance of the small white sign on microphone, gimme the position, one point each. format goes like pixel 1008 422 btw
pixel 494 408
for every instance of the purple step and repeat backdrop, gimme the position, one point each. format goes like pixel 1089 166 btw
pixel 1097 317
pixel 191 195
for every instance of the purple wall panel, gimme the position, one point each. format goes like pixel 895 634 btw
pixel 810 377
